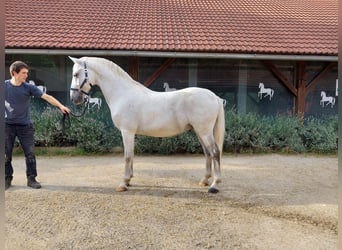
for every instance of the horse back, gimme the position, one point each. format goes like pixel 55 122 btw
pixel 170 113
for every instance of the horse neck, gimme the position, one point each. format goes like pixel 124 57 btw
pixel 112 80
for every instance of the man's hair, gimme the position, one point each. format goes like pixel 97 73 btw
pixel 17 66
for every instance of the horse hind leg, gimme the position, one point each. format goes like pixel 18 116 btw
pixel 216 158
pixel 205 180
pixel 213 155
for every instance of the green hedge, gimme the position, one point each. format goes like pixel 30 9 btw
pixel 94 132
pixel 254 133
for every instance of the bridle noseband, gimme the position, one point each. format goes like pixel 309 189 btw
pixel 84 82
pixel 66 117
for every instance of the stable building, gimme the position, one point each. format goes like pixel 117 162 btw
pixel 267 57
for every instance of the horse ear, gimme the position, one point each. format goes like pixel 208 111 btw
pixel 75 60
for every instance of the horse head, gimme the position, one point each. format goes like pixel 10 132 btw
pixel 323 93
pixel 261 85
pixel 80 83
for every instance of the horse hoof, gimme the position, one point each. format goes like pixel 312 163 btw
pixel 213 190
pixel 203 184
pixel 121 189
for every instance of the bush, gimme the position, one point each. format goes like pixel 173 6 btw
pixel 44 124
pixel 90 132
pixel 95 132
pixel 92 135
pixel 253 133
pixel 320 135
pixel 186 142
pixel 282 134
pixel 244 133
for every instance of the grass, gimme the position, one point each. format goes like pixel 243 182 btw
pixel 56 151
pixel 73 151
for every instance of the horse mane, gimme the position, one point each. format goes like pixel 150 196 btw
pixel 99 63
pixel 102 62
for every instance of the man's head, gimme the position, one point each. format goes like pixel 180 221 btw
pixel 19 70
pixel 17 66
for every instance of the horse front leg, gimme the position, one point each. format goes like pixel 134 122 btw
pixel 128 141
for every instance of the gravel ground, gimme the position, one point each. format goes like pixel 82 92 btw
pixel 265 202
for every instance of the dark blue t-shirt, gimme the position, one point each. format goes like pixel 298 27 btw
pixel 17 102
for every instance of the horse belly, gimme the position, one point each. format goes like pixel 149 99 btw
pixel 164 126
pixel 162 132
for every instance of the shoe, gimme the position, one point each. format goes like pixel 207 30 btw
pixel 31 182
pixel 8 182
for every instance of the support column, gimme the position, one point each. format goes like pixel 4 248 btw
pixel 301 89
pixel 193 63
pixel 242 89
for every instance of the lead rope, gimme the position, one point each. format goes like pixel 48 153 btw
pixel 66 122
pixel 66 117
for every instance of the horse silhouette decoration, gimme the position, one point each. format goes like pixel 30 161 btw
pixel 41 87
pixel 135 109
pixel 93 101
pixel 327 99
pixel 167 87
pixel 267 91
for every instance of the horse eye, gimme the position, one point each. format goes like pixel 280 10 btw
pixel 76 75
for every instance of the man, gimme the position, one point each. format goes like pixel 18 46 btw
pixel 18 121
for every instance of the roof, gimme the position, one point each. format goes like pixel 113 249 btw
pixel 297 27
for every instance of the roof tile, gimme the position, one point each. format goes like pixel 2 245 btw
pixel 240 26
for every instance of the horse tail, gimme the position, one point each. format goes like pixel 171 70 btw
pixel 219 128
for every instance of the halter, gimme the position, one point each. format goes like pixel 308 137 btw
pixel 84 82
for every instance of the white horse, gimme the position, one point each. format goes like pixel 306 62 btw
pixel 167 87
pixel 93 101
pixel 268 91
pixel 136 109
pixel 325 98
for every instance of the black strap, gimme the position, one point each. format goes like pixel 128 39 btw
pixel 65 122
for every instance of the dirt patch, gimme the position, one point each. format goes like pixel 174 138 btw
pixel 265 202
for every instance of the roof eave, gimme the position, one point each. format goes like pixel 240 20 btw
pixel 172 54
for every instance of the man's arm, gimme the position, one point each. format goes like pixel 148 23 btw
pixel 53 101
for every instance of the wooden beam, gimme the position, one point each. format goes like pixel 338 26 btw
pixel 159 71
pixel 321 74
pixel 133 67
pixel 301 89
pixel 280 76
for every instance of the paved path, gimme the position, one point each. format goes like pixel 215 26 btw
pixel 265 202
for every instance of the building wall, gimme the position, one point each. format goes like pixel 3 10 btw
pixel 236 81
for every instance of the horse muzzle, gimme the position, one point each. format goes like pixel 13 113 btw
pixel 77 97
